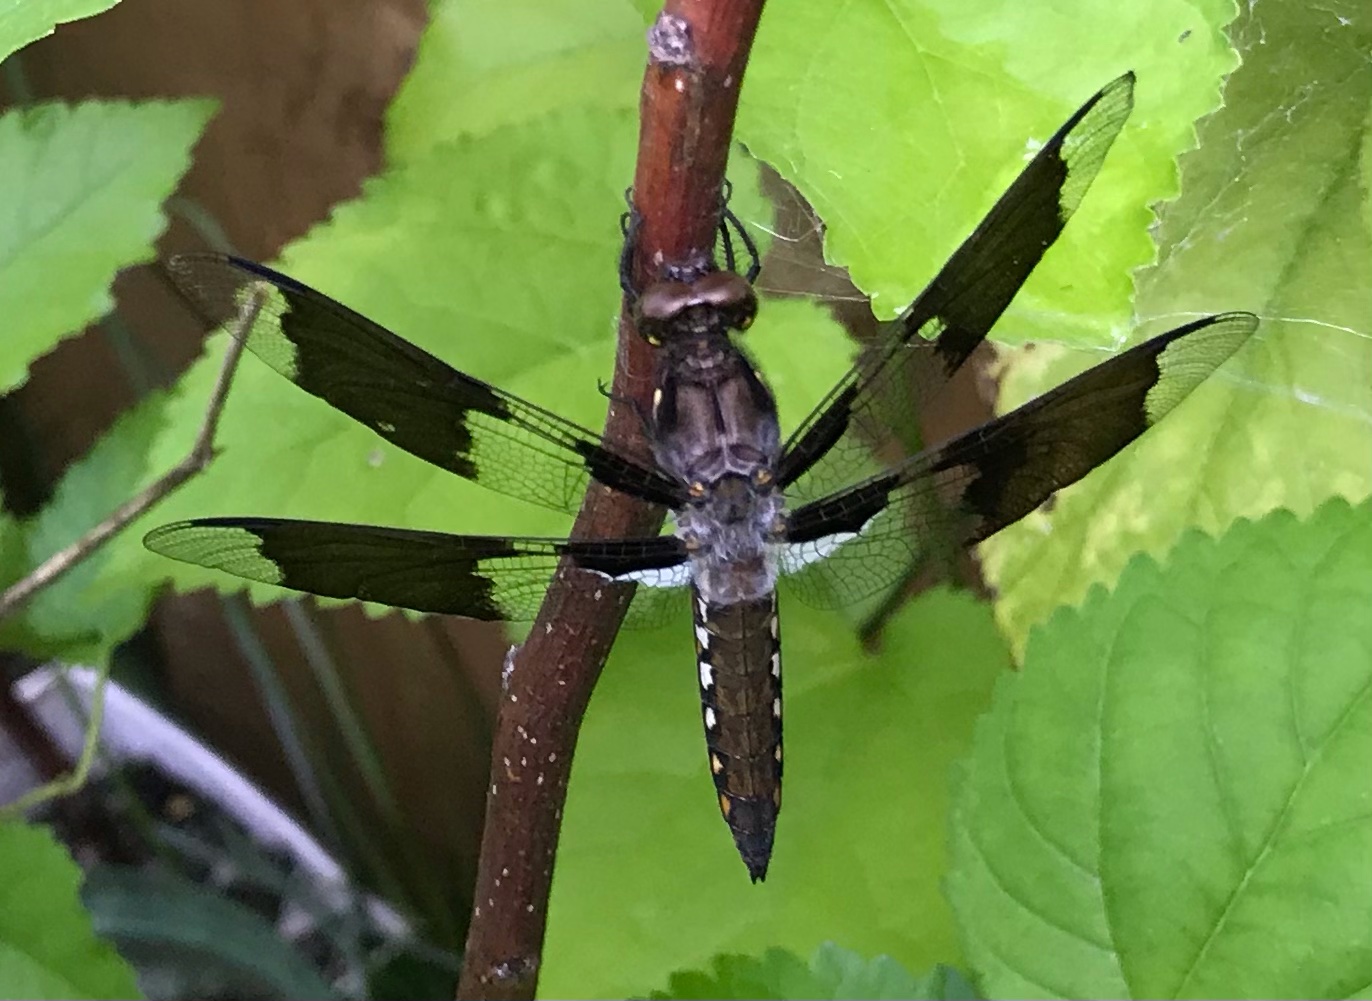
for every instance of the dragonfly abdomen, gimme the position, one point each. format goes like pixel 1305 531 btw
pixel 739 654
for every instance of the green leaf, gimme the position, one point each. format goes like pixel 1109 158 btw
pixel 902 121
pixel 840 973
pixel 165 920
pixel 1272 219
pixel 104 599
pixel 833 972
pixel 1171 799
pixel 646 861
pixel 772 975
pixel 514 63
pixel 25 21
pixel 47 947
pixel 86 183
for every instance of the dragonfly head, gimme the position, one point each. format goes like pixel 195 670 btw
pixel 714 304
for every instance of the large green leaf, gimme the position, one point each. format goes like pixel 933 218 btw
pixel 47 947
pixel 84 186
pixel 902 121
pixel 648 879
pixel 1273 219
pixel 1171 799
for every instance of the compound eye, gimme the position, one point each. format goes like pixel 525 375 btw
pixel 744 310
pixel 649 328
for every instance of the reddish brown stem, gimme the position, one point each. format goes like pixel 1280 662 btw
pixel 697 53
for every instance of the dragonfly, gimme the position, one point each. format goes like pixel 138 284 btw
pixel 812 514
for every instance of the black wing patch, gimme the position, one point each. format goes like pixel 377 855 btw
pixel 834 445
pixel 409 397
pixel 479 577
pixel 973 486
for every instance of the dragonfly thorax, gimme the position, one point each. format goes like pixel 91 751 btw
pixel 714 429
